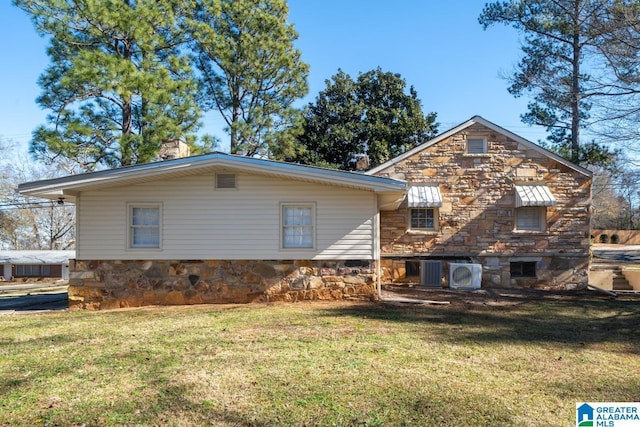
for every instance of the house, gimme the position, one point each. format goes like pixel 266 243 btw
pixel 481 195
pixel 476 206
pixel 35 264
pixel 220 228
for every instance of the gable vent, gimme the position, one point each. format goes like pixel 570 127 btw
pixel 226 180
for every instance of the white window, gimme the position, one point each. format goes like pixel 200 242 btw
pixel 476 145
pixel 225 180
pixel 144 225
pixel 424 219
pixel 298 226
pixel 531 218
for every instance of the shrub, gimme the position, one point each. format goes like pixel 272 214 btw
pixel 604 238
pixel 615 239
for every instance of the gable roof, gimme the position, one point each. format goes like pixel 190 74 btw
pixel 493 127
pixel 68 187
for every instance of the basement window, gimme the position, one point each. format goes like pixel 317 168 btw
pixel 412 268
pixel 525 269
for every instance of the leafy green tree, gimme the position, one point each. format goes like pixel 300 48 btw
pixel 118 83
pixel 562 66
pixel 250 72
pixel 371 116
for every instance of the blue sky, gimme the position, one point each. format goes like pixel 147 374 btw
pixel 435 45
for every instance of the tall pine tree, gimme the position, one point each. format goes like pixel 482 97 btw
pixel 563 66
pixel 250 72
pixel 118 83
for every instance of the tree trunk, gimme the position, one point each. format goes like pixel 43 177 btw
pixel 235 116
pixel 575 85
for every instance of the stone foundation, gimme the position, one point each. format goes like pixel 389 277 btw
pixel 96 285
pixel 552 272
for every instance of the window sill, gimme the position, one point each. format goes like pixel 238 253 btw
pixel 310 250
pixel 538 232
pixel 143 249
pixel 423 232
pixel 479 155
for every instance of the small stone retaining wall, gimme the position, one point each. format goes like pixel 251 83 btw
pixel 112 284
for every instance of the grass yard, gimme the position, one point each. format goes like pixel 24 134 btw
pixel 488 360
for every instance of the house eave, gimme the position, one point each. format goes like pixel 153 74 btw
pixel 68 187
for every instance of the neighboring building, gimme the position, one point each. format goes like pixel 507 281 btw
pixel 480 194
pixel 35 264
pixel 222 228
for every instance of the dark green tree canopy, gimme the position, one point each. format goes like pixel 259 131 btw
pixel 372 115
pixel 250 72
pixel 118 83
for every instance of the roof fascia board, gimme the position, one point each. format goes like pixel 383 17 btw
pixel 122 175
pixel 421 147
pixel 492 126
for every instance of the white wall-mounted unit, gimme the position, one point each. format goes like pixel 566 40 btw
pixel 465 276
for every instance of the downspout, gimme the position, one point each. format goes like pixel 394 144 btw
pixel 376 252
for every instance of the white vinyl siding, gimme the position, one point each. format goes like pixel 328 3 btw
pixel 199 222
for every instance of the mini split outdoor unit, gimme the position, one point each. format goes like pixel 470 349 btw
pixel 465 276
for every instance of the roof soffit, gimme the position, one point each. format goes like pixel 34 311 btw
pixel 205 164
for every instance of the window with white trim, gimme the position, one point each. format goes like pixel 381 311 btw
pixel 298 226
pixel 423 218
pixel 144 225
pixel 476 145
pixel 531 218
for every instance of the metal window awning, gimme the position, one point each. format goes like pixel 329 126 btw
pixel 424 196
pixel 534 195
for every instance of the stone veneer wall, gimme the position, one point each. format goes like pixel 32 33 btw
pixel 553 272
pixel 118 284
pixel 476 220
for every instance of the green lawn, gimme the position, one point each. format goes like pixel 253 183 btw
pixel 494 361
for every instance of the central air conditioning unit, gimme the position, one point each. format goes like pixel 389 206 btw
pixel 465 276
